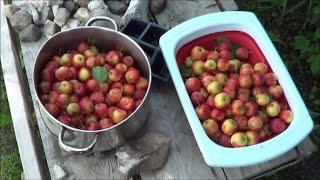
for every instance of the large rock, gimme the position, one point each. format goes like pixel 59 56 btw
pixel 30 34
pixel 61 17
pixel 46 14
pixel 71 6
pixel 50 28
pixel 35 14
pixel 82 3
pixel 147 153
pixel 55 9
pixel 82 14
pixel 10 9
pixel 157 6
pixel 97 4
pixel 21 19
pixel 72 23
pixel 117 7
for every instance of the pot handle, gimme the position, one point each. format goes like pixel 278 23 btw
pixel 102 18
pixel 81 151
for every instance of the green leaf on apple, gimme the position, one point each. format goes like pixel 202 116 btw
pixel 185 71
pixel 99 74
pixel 234 48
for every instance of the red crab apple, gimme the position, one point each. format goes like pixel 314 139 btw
pixel 263 115
pixel 277 126
pixel 113 57
pixel 119 115
pixel 239 139
pixel 142 83
pixel 44 98
pixel 238 108
pixel 214 88
pixel 257 79
pixel 86 105
pixel 221 100
pixel 126 103
pixel 128 60
pixel 77 120
pixel 198 67
pixel 206 80
pixel 234 65
pixel 114 95
pixel 203 111
pixel 258 90
pixel 260 68
pixel 245 81
pixel 97 97
pixel 221 78
pixel 198 53
pixel 107 67
pixel 224 54
pixel 121 67
pixel 94 126
pixel 65 120
pixel 104 88
pixel 101 59
pixel 62 73
pixel 217 115
pixel 65 87
pixel 204 92
pixel 92 62
pixel 74 73
pixel 117 85
pixel 198 98
pixel 139 94
pixel 275 91
pixel 82 47
pixel 78 61
pixel 262 99
pixel 193 84
pixel 211 127
pixel 73 109
pixel 242 53
pixel 137 103
pixel 229 126
pixel 55 59
pixel 224 46
pixel 88 53
pixel 255 123
pixel 210 65
pixel 79 89
pixel 106 123
pixel 232 82
pixel 91 118
pixel 188 61
pixel 273 109
pixel 253 137
pixel 242 122
pixel 74 98
pixel 101 110
pixel 84 74
pixel 243 96
pixel 132 75
pixel 230 91
pixel 65 59
pixel 251 109
pixel 270 79
pixel 286 116
pixel 224 140
pixel 62 101
pixel 48 75
pixel 246 69
pixel 128 89
pixel 214 55
pixel 223 64
pixel 53 109
pixel 210 101
pixel 114 75
pixel 92 85
pixel 45 87
pixel 53 95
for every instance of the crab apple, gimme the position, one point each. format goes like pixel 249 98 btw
pixel 211 127
pixel 94 49
pixel 221 100
pixel 210 101
pixel 128 60
pixel 232 82
pixel 101 110
pixel 242 53
pixel 78 61
pixel 203 111
pixel 106 123
pixel 275 91
pixel 255 123
pixel 82 47
pixel 257 79
pixel 239 139
pixel 262 99
pixel 132 75
pixel 45 87
pixel 88 53
pixel 86 105
pixel 128 89
pixel 93 126
pixel 210 65
pixel 198 67
pixel 273 109
pixel 74 73
pixel 198 53
pixel 126 103
pixel 258 90
pixel 198 98
pixel 53 65
pixel 139 94
pixel 74 98
pixel 277 126
pixel 286 116
pixel 224 46
pixel 242 122
pixel 188 61
pixel 92 62
pixel 223 64
pixel 73 108
pixel 114 75
pixel 79 89
pixel 270 79
pixel 234 65
pixel 214 87
pixel 253 137
pixel 114 95
pixel 238 108
pixel 260 68
pixel 92 85
pixel 97 97
pixel 206 80
pixel 63 73
pixel 53 95
pixel 53 109
pixel 107 67
pixel 246 69
pixel 104 88
pixel 224 54
pixel 230 91
pixel 111 109
pixel 245 81
pixel 65 87
pixel 48 75
pixel 193 84
pixel 142 83
pixel 117 85
pixel 243 96
pixel 229 126
pixel 224 140
pixel 44 98
pixel 84 74
pixel 101 59
pixel 137 103
pixel 121 67
pixel 252 109
pixel 221 78
pixel 214 55
pixel 217 115
pixel 204 74
pixel 65 59
pixel 118 115
pixel 62 101
pixel 113 57
pixel 65 119
pixel 77 119
pixel 263 115
pixel 55 59
pixel 91 118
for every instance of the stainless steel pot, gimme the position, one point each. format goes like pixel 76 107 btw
pixel 84 141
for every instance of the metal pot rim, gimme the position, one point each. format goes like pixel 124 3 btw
pixel 104 29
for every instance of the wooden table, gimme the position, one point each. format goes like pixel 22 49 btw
pixel 184 161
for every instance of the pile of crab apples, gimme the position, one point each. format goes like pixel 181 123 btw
pixel 72 93
pixel 238 103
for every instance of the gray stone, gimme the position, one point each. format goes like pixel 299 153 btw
pixel 72 23
pixel 157 6
pixel 58 172
pixel 136 10
pixel 50 28
pixel 82 3
pixel 117 7
pixel 71 6
pixel 82 14
pixel 35 14
pixel 30 34
pixel 46 14
pixel 10 9
pixel 97 4
pixel 61 17
pixel 98 12
pixel 147 153
pixel 55 9
pixel 21 19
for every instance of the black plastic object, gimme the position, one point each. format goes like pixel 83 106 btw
pixel 147 35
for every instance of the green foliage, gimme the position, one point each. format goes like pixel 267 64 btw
pixel 100 74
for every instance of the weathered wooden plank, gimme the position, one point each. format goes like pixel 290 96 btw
pixel 255 170
pixel 177 12
pixel 20 113
pixel 185 160
pixel 227 5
